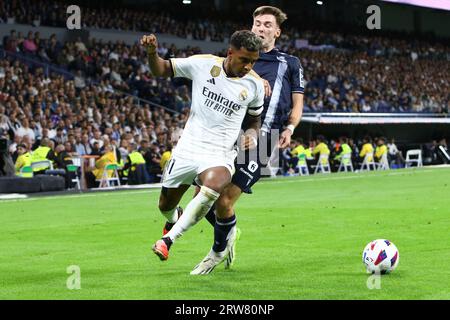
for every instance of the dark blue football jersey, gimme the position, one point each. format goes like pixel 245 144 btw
pixel 285 75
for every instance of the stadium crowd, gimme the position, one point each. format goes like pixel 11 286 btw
pixel 95 111
pixel 93 120
pixel 198 25
pixel 337 80
pixel 85 121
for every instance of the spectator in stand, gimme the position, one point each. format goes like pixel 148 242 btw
pixel 95 151
pixel 10 42
pixel 29 44
pixel 25 130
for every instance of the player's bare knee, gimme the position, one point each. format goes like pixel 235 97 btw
pixel 216 179
pixel 224 206
pixel 224 202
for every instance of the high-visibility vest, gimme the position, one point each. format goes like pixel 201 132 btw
pixel 40 154
pixel 321 148
pixel 297 151
pixel 308 153
pixel 23 160
pixel 346 149
pixel 165 159
pixel 136 158
pixel 121 165
pixel 380 151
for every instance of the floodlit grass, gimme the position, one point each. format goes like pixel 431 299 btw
pixel 302 238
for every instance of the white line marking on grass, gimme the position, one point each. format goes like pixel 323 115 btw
pixel 82 195
pixel 12 196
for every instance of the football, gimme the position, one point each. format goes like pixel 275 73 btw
pixel 380 256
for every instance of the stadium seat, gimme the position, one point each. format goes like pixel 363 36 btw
pixel 39 165
pixel 368 163
pixel 105 180
pixel 413 156
pixel 384 163
pixel 323 165
pixel 74 169
pixel 26 170
pixel 302 166
pixel 346 163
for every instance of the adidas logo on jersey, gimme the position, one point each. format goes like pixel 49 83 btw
pixel 211 81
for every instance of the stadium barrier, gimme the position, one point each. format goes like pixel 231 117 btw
pixel 410 130
pixel 38 183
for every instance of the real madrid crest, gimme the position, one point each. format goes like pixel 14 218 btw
pixel 243 95
pixel 215 71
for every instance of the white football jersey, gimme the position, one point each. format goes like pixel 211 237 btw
pixel 219 105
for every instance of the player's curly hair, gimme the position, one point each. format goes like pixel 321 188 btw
pixel 246 39
pixel 279 15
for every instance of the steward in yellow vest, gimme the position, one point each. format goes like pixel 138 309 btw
pixel 137 171
pixel 366 148
pixel 343 149
pixel 42 153
pixel 321 147
pixel 23 161
pixel 380 150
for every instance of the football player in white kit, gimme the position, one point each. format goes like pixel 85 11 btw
pixel 224 91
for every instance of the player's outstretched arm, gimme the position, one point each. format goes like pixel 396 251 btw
pixel 294 120
pixel 159 66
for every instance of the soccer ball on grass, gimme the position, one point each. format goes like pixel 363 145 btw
pixel 380 256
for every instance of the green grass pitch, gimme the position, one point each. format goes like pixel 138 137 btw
pixel 302 238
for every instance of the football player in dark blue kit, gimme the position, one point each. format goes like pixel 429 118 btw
pixel 282 113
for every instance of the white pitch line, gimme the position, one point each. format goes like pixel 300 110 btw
pixel 79 195
pixel 275 181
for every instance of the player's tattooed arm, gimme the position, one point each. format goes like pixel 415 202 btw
pixel 159 66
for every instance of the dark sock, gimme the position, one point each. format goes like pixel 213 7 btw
pixel 167 241
pixel 221 230
pixel 211 216
pixel 169 225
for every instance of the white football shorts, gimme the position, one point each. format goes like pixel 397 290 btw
pixel 180 170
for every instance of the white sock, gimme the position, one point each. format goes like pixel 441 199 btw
pixel 171 215
pixel 194 212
